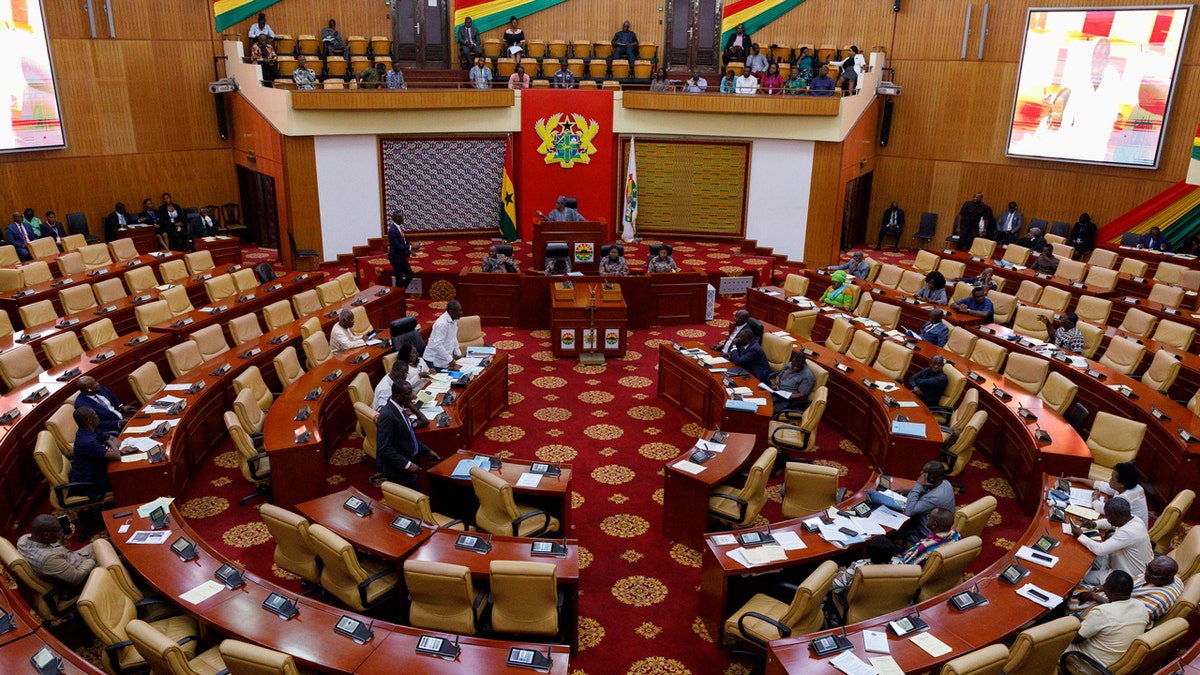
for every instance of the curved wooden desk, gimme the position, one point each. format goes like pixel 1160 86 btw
pixel 309 637
pixel 1005 614
pixel 282 288
pixel 702 394
pixel 772 304
pixel 685 495
pixel 28 637
pixel 455 497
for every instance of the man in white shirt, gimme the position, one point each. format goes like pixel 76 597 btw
pixel 696 84
pixel 261 28
pixel 442 348
pixel 747 84
pixel 340 338
pixel 1128 549
pixel 1109 629
pixel 383 390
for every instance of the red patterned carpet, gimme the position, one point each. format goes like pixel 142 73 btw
pixel 638 592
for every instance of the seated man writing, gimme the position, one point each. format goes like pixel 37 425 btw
pixel 793 384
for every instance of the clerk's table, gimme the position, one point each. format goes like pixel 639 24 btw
pixel 587 318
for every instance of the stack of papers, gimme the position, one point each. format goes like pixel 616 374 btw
pixel 462 470
pixel 203 592
pixel 725 539
pixel 761 555
pixel 789 541
pixel 930 644
pixel 146 509
pixel 712 360
pixel 1081 497
pixel 688 466
pixel 178 386
pixel 1041 596
pixel 529 480
pixel 850 664
pixel 1085 512
pixel 876 641
pixel 150 428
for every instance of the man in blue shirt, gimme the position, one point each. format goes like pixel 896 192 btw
pixel 1153 240
pixel 856 267
pixel 94 449
pixel 935 331
pixel 748 355
pixel 822 84
pixel 976 305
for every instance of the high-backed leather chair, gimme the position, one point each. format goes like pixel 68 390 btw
pixel 49 598
pixel 863 347
pixel 953 269
pixel 9 257
pixel 62 428
pixel 1169 273
pixel 1187 602
pixel 1027 372
pixel 1147 653
pixel 1162 533
pixel 146 382
pixel 944 567
pixel 95 256
pixel 1070 270
pixel 107 611
pixel 982 247
pixel 167 657
pixel 413 504
pixel 970 519
pixel 243 658
pixel 1123 355
pixel 1092 337
pixel 524 596
pixel 808 488
pixel 910 282
pixel 926 261
pixel 220 287
pixel 152 314
pixel 109 290
pixel 19 365
pixel 1171 296
pixel 172 271
pixel 361 390
pixel 37 313
pixel 797 284
pixel 106 556
pixel 367 418
pixel 1029 292
pixel 62 348
pixel 252 417
pixel 1101 279
pixel 253 463
pixel 1026 323
pixel 278 314
pixel 958 455
pixel 778 351
pixel 1187 554
pixel 801 323
pixel 840 336
pixel 251 378
pixel 893 360
pixel 1036 650
pixel 879 589
pixel 1163 370
pixel 306 302
pixel 211 342
pixel 739 506
pixel 1174 334
pixel 1102 257
pixel 361 583
pixel 199 262
pixel 499 514
pixel 348 283
pixel 122 249
pixel 889 276
pixel 310 326
pixel 884 314
pixel 1113 440
pixel 1017 255
pixel 362 323
pixel 470 332
pixel 1055 299
pixel 6 327
pixel 790 435
pixel 442 597
pixel 765 618
pixel 65 495
pixel 987 660
pixel 989 355
pixel 1137 322
pixel 316 350
pixel 1093 309
pixel 244 328
pixel 177 301
pixel 863 307
pixel 1003 307
pixel 405 331
pixel 960 414
pixel 287 366
pixel 873 267
pixel 961 341
pixel 75 299
pixel 69 264
pixel 294 550
pixel 184 358
pixel 1131 266
pixel 244 280
pixel 1058 393
pixel 329 293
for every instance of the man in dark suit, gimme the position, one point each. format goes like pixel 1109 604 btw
pixel 741 324
pixel 397 450
pixel 117 220
pixel 1083 235
pixel 891 226
pixel 975 219
pixel 112 415
pixel 738 44
pixel 467 37
pixel 1009 224
pixel 398 251
pixel 19 234
pixel 204 226
pixel 1153 240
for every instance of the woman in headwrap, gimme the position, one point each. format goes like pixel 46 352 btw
pixel 839 293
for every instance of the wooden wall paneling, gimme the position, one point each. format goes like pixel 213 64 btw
pixel 250 132
pixel 867 25
pixel 594 20
pixel 309 17
pixel 299 193
pixel 823 233
pixel 151 20
pixel 68 19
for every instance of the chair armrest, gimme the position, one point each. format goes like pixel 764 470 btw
pixel 941 410
pixel 788 416
pixel 784 586
pixel 59 594
pixel 254 463
pixel 803 432
pixel 948 458
pixel 92 491
pixel 365 583
pixel 742 504
pixel 191 638
pixel 256 438
pixel 517 523
pixel 1085 665
pixel 841 494
pixel 480 598
pixel 457 521
pixel 113 659
pixel 784 631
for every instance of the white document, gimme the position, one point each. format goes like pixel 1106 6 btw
pixel 930 644
pixel 690 467
pixel 203 592
pixel 141 443
pixel 177 387
pixel 167 401
pixel 1027 554
pixel 135 457
pixel 813 522
pixel 709 445
pixel 876 641
pixel 432 411
pixel 1085 512
pixel 762 555
pixel 885 386
pixel 790 541
pixel 755 401
pixel 727 539
pixel 832 534
pixel 867 527
pixel 886 665
pixel 151 428
pixel 769 390
pixel 850 664
pixel 744 391
pixel 529 480
pixel 738 556
pixel 907 404
pixel 146 509
pixel 1041 596
pixel 900 499
pixel 1081 497
pixel 150 537
pixel 481 351
pixel 713 360
pixel 887 517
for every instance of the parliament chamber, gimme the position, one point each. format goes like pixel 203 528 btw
pixel 608 492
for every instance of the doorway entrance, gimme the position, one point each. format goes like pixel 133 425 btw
pixel 693 31
pixel 421 32
pixel 855 211
pixel 259 211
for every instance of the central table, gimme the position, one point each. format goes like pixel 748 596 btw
pixel 587 318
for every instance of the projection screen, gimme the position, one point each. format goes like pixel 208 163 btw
pixel 27 84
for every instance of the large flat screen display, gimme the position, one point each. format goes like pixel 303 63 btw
pixel 1095 85
pixel 31 119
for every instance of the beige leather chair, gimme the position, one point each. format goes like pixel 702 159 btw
pixel 294 550
pixel 254 464
pixel 789 435
pixel 1070 270
pixel 873 267
pixel 1027 372
pixel 442 597
pixel 316 350
pixel 1163 370
pixel 62 428
pixel 970 519
pixel 738 506
pixel 243 658
pixel 1017 255
pixel 244 280
pixel 1113 440
pixel 1131 266
pixel 69 264
pixel 1171 296
pixel 362 323
pixel 146 382
pixel 329 293
pixel 251 378
pixel 879 589
pixel 1063 251
pixel 1123 355
pixel 244 328
pixel 1093 336
pixel 36 273
pixel 893 360
pixel 306 302
pixel 764 618
pixel 1162 533
pixel 1138 323
pixel 122 249
pixel 1147 653
pixel 95 256
pixel 1003 307
pixel 1058 393
pixel 287 367
pixel 1026 323
pixel 887 316
pixel 310 326
pixel 37 313
pixel 360 583
pixel 11 280
pixel 1029 292
pixel 840 336
pixel 889 276
pixel 184 358
pixel 211 342
pixel 152 314
pixel 1093 309
pixel 172 271
pixel 167 657
pixel 989 355
pixel 50 600
pixel 107 611
pixel 524 597
pixel 252 417
pixel 470 333
pixel 864 305
pixel 8 256
pixel 177 301
pixel 278 314
pixel 1187 554
pixel 959 415
pixel 961 341
pixel 945 566
pixel 348 283
pixel 62 348
pixel 74 299
pixel 6 327
pixel 777 349
pixel 808 488
pixel 109 290
pixel 1169 273
pixel 1055 299
pixel 984 661
pixel 958 455
pixel 1100 279
pixel 801 323
pixel 106 556
pixel 982 247
pixel 361 390
pixel 1174 334
pixel 797 284
pixel 1187 602
pixel 65 495
pixel 367 418
pixel 953 269
pixel 1036 650
pixel 863 347
pixel 413 504
pixel 19 365
pixel 219 288
pixel 499 514
pixel 199 262
pixel 910 282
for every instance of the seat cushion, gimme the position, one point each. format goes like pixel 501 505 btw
pixel 381 586
pixel 531 525
pixel 759 604
pixel 726 507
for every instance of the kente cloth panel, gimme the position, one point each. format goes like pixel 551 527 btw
pixel 443 185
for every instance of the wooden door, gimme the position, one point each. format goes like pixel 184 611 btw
pixel 421 32
pixel 855 212
pixel 693 31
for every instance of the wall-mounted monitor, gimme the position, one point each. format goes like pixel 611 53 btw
pixel 30 115
pixel 1095 84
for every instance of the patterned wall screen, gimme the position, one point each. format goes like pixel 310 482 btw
pixel 690 187
pixel 443 184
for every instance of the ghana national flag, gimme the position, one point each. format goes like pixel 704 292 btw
pixel 508 199
pixel 754 13
pixel 229 12
pixel 488 14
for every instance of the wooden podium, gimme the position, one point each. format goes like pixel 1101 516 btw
pixel 593 233
pixel 581 325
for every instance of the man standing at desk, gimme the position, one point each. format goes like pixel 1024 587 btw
pixel 442 348
pixel 561 213
pixel 398 451
pixel 399 249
